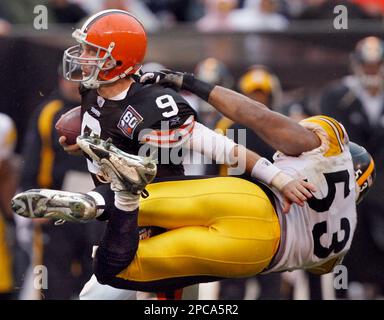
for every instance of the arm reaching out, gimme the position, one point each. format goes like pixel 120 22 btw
pixel 279 131
pixel 223 150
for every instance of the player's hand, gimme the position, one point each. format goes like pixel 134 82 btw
pixel 296 191
pixel 174 79
pixel 72 149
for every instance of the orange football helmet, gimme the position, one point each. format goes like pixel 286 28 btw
pixel 119 41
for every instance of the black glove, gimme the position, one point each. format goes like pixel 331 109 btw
pixel 179 80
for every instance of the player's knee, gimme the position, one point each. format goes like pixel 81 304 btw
pixel 106 266
pixel 102 277
pixel 104 273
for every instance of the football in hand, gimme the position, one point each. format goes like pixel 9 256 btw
pixel 69 125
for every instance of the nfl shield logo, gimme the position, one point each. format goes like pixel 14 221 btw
pixel 100 101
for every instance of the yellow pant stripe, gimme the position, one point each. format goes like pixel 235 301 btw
pixel 335 144
pixel 47 155
pixel 6 278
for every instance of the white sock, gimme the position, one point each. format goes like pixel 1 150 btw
pixel 126 201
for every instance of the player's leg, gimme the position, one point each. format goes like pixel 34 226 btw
pixel 220 227
pixel 197 202
pixel 127 174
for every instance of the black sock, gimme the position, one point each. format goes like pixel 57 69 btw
pixel 118 245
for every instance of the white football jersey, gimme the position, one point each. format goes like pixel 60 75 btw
pixel 323 229
pixel 7 136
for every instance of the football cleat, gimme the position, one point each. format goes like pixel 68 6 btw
pixel 53 204
pixel 125 172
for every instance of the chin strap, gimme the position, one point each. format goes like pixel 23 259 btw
pixel 95 83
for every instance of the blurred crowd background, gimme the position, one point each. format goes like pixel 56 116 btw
pixel 285 54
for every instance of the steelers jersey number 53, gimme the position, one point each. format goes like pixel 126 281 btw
pixel 322 205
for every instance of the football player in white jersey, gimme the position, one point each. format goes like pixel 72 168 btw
pixel 323 229
pixel 228 227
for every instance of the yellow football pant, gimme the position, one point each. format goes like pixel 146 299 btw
pixel 224 227
pixel 6 278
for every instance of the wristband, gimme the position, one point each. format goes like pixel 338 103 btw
pixel 196 86
pixel 264 171
pixel 281 180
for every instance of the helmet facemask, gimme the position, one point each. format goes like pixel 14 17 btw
pixel 102 61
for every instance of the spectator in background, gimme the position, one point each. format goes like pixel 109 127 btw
pixel 8 183
pixel 217 15
pixel 293 8
pixel 323 9
pixel 263 86
pixel 371 7
pixel 66 12
pixel 258 15
pixel 223 15
pixel 64 250
pixel 136 7
pixel 357 101
pixel 20 11
pixel 176 11
pixel 213 71
pixel 5 27
pixel 304 103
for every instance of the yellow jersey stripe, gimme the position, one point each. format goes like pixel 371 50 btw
pixel 47 155
pixel 366 174
pixel 337 125
pixel 335 146
pixel 335 130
